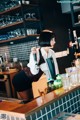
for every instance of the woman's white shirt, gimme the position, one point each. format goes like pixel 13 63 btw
pixel 33 64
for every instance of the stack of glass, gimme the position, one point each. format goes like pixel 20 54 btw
pixel 71 78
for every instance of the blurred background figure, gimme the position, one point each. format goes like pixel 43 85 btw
pixel 22 81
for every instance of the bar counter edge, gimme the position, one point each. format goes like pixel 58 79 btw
pixel 49 105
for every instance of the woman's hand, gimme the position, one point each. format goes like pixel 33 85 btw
pixel 34 50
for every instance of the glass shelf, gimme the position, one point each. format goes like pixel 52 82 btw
pixel 18 38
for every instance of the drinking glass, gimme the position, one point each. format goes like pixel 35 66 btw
pixel 65 81
pixel 73 75
pixel 78 74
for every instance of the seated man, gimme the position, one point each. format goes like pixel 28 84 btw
pixel 22 82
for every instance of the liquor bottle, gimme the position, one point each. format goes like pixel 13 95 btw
pixel 75 38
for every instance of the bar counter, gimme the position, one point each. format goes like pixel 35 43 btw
pixel 45 107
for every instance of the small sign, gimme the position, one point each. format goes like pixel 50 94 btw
pixel 3 116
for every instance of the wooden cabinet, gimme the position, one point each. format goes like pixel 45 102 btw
pixel 19 22
pixel 8 76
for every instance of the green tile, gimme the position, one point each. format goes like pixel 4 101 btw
pixel 78 103
pixel 52 106
pixel 60 102
pixel 44 117
pixel 79 91
pixel 72 107
pixel 57 106
pixel 68 103
pixel 67 98
pixel 48 108
pixel 49 116
pixel 56 103
pixel 75 105
pixel 75 99
pixel 43 111
pixel 74 93
pixel 65 110
pixel 71 101
pixel 33 117
pixel 64 99
pixel 53 113
pixel 38 113
pixel 40 118
pixel 69 109
pixel 61 108
pixel 57 110
pixel 65 106
pixel 70 95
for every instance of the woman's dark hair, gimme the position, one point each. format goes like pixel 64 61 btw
pixel 45 38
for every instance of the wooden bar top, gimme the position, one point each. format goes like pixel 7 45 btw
pixel 11 71
pixel 28 108
pixel 8 106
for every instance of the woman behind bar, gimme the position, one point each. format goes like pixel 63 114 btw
pixel 38 56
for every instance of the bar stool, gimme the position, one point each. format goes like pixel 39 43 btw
pixel 7 85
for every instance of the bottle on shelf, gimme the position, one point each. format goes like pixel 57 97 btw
pixel 75 38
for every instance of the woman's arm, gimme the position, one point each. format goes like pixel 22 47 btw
pixel 33 64
pixel 31 76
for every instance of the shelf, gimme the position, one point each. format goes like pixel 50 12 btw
pixel 17 23
pixel 17 7
pixel 9 10
pixel 76 3
pixel 77 24
pixel 19 38
pixel 76 9
pixel 12 24
pixel 12 39
pixel 21 23
pixel 33 35
pixel 32 20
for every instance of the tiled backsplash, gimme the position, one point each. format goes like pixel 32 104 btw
pixel 21 50
pixel 69 103
pixel 3 50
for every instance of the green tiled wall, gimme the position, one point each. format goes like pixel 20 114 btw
pixel 69 103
